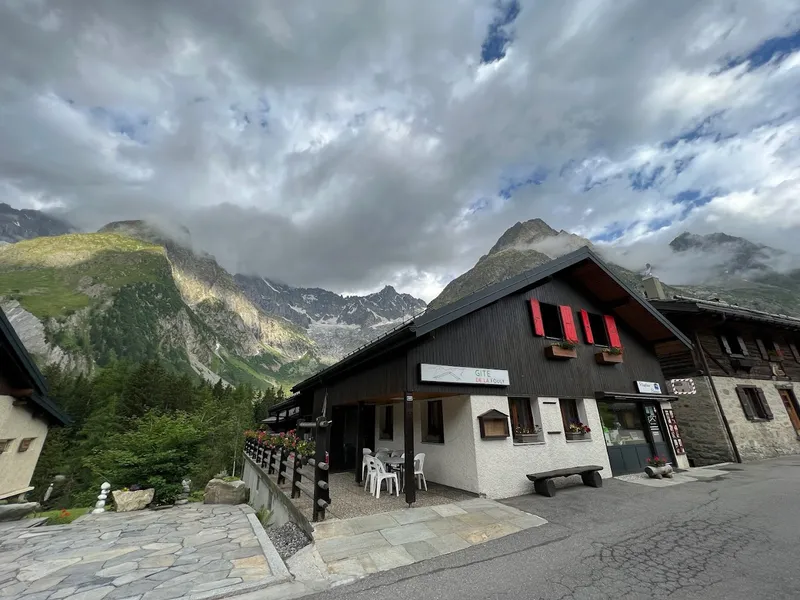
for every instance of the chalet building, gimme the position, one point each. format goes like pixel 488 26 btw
pixel 738 386
pixel 553 368
pixel 25 413
pixel 285 415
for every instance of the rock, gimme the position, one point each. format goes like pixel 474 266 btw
pixel 128 501
pixel 226 492
pixel 12 512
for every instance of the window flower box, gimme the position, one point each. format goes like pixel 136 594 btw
pixel 561 351
pixel 612 356
pixel 571 435
pixel 577 431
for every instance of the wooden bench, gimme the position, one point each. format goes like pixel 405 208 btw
pixel 543 482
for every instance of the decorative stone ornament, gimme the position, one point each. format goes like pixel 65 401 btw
pixel 99 508
pixel 130 501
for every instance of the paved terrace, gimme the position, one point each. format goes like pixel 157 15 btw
pixel 196 551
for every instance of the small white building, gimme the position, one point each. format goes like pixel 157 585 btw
pixel 26 412
pixel 552 369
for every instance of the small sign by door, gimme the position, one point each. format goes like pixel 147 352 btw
pixel 648 387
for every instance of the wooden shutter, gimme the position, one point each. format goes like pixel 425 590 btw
pixel 762 349
pixel 570 333
pixel 536 313
pixel 611 329
pixel 587 327
pixel 762 400
pixel 725 345
pixel 778 350
pixel 795 352
pixel 743 346
pixel 745 402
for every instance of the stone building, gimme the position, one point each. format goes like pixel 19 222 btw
pixel 26 412
pixel 738 386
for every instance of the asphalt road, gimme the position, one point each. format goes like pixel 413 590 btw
pixel 730 538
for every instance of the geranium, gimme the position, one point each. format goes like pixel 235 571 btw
pixel 578 427
pixel 657 461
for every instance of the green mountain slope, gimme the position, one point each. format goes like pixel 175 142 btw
pixel 107 295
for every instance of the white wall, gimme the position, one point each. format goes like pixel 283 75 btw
pixel 451 463
pixel 16 468
pixel 502 466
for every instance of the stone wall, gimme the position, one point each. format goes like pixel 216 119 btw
pixel 759 439
pixel 701 426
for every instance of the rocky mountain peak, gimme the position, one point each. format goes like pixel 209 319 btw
pixel 521 233
pixel 25 224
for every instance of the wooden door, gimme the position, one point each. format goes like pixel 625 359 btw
pixel 790 403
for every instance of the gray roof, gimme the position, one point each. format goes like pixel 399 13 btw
pixel 696 305
pixel 433 319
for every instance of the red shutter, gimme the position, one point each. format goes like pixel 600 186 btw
pixel 536 312
pixel 587 328
pixel 613 334
pixel 570 333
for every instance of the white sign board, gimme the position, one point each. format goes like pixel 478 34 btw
pixel 683 386
pixel 648 387
pixel 465 375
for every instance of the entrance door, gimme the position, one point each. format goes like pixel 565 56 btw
pixel 790 403
pixel 627 434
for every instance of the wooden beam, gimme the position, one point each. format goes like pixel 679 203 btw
pixel 19 393
pixel 408 435
pixel 360 425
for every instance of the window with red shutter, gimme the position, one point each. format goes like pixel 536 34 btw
pixel 611 329
pixel 587 327
pixel 536 313
pixel 568 323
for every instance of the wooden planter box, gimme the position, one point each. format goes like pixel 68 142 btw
pixel 527 438
pixel 607 358
pixel 575 436
pixel 556 352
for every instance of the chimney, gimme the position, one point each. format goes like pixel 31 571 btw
pixel 653 289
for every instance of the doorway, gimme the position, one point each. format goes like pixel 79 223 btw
pixel 790 404
pixel 633 433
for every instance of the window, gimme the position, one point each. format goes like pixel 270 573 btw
pixel 4 444
pixel 433 423
pixel 386 423
pixel 732 344
pixel 793 348
pixel 754 403
pixel 569 412
pixel 599 332
pixel 24 444
pixel 769 349
pixel 521 416
pixel 551 320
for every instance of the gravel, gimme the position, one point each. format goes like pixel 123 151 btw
pixel 288 539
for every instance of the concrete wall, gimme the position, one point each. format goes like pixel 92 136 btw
pixel 759 439
pixel 264 493
pixel 451 463
pixel 16 468
pixel 502 464
pixel 701 427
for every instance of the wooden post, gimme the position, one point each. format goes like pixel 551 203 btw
pixel 296 477
pixel 281 471
pixel 360 425
pixel 322 494
pixel 408 435
pixel 269 461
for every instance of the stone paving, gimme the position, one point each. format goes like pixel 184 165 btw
pixel 196 551
pixel 363 545
pixel 685 476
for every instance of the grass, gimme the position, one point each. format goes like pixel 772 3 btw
pixel 60 516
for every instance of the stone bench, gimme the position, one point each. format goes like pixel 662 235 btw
pixel 543 482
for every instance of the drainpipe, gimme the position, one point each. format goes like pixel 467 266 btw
pixel 714 392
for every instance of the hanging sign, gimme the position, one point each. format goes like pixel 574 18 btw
pixel 682 386
pixel 648 387
pixel 463 375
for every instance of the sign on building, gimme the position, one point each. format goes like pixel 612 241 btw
pixel 463 375
pixel 648 387
pixel 683 386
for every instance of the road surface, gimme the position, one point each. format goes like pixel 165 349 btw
pixel 731 538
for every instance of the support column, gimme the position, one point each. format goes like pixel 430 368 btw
pixel 408 434
pixel 360 424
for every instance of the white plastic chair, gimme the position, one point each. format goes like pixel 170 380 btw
pixel 382 455
pixel 379 475
pixel 369 478
pixel 419 464
pixel 367 452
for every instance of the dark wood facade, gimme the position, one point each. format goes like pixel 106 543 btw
pixel 733 347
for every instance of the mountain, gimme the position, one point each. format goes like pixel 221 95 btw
pixel 337 324
pixel 740 272
pixel 86 299
pixel 16 225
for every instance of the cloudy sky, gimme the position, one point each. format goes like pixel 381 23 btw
pixel 351 144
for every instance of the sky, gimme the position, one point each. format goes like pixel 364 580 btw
pixel 353 144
